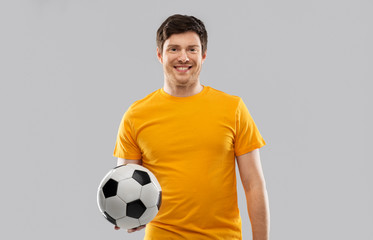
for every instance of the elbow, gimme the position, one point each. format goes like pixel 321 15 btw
pixel 255 186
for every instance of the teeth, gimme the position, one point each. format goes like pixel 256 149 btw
pixel 182 68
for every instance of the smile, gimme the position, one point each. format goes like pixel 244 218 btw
pixel 182 68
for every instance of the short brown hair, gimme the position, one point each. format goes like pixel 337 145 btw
pixel 179 24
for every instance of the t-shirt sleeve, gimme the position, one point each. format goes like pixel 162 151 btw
pixel 126 146
pixel 248 137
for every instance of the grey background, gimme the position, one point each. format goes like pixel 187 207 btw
pixel 70 69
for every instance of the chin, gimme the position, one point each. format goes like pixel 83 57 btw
pixel 182 81
pixel 186 84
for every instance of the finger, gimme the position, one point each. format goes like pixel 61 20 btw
pixel 132 230
pixel 139 228
pixel 135 229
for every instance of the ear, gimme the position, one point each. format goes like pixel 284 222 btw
pixel 159 55
pixel 204 56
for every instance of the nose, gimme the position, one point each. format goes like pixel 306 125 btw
pixel 183 57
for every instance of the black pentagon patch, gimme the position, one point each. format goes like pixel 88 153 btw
pixel 110 188
pixel 159 202
pixel 110 219
pixel 135 209
pixel 141 177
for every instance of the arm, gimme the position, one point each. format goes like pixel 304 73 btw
pixel 256 193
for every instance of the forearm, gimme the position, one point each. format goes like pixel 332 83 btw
pixel 258 209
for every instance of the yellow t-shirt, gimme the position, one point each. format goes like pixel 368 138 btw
pixel 190 144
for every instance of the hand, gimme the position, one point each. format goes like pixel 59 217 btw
pixel 132 229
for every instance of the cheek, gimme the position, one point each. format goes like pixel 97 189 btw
pixel 167 60
pixel 198 63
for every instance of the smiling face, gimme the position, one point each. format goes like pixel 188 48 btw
pixel 182 59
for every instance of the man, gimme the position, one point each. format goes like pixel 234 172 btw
pixel 188 135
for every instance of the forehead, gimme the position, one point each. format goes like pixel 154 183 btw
pixel 187 38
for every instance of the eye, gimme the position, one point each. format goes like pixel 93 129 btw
pixel 193 50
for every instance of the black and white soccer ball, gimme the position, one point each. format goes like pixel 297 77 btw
pixel 129 196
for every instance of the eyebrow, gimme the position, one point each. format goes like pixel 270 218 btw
pixel 175 45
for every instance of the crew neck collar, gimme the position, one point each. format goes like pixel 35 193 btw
pixel 195 96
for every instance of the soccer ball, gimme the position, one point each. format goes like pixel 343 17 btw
pixel 129 196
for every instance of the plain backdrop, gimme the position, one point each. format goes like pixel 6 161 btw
pixel 70 69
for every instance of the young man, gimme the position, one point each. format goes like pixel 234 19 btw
pixel 189 135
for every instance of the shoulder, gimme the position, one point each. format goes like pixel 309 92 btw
pixel 224 97
pixel 224 94
pixel 143 103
